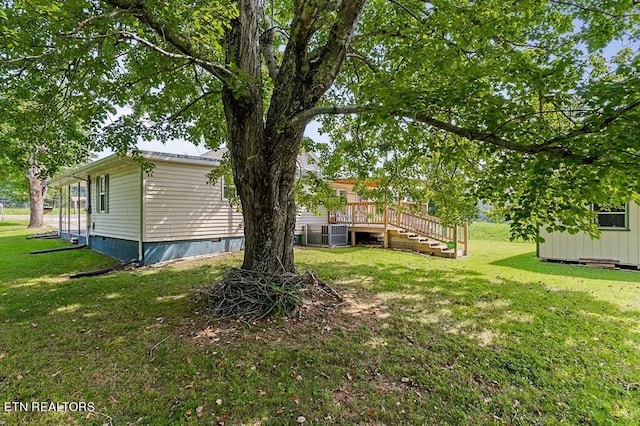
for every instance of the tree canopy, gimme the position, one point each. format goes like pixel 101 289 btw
pixel 531 105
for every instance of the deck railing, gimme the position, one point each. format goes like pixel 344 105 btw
pixel 412 218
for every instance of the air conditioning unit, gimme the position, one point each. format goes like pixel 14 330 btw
pixel 335 235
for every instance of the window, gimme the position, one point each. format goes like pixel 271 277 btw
pixel 228 190
pixel 102 194
pixel 342 193
pixel 612 217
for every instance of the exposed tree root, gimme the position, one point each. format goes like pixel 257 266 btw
pixel 250 295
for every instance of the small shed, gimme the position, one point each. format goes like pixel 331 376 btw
pixel 618 245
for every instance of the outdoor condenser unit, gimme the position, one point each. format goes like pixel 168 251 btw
pixel 335 235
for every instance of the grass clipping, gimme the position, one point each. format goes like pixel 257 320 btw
pixel 251 295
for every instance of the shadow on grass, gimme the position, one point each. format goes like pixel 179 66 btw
pixel 13 224
pixel 529 262
pixel 416 344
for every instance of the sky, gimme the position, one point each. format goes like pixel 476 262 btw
pixel 187 148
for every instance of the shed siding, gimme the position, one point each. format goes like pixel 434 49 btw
pixel 123 218
pixel 623 246
pixel 180 205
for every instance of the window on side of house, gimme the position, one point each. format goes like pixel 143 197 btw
pixel 612 217
pixel 102 194
pixel 228 190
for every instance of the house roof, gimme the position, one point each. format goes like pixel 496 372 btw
pixel 116 161
pixel 307 161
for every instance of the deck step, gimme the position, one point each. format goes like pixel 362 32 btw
pixel 420 244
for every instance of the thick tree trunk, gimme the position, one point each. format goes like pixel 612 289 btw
pixel 266 193
pixel 264 147
pixel 263 172
pixel 37 192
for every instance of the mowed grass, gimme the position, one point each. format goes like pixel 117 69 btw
pixel 26 211
pixel 495 338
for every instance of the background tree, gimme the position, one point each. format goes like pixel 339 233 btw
pixel 13 186
pixel 43 132
pixel 542 120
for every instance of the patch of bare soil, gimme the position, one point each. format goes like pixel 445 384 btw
pixel 321 310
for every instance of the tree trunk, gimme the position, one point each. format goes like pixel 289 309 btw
pixel 268 206
pixel 37 192
pixel 263 148
pixel 263 158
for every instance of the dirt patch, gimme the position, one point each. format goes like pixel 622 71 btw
pixel 318 316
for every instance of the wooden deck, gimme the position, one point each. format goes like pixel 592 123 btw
pixel 405 228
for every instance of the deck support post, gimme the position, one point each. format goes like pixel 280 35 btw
pixel 386 227
pixel 353 238
pixel 455 241
pixel 466 238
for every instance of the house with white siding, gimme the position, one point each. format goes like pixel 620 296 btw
pixel 170 211
pixel 618 245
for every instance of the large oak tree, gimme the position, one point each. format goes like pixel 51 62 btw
pixel 518 102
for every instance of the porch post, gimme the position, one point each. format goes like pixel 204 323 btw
pixel 69 209
pixel 79 213
pixel 60 214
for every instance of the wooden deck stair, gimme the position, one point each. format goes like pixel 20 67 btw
pixel 402 240
pixel 405 229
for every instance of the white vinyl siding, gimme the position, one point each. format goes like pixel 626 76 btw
pixel 620 245
pixel 308 218
pixel 181 205
pixel 121 217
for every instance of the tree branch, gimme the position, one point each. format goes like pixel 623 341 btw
pixel 80 25
pixel 266 47
pixel 593 10
pixel 140 11
pixel 589 128
pixel 306 116
pixel 549 146
pixel 182 110
pixel 406 9
pixel 353 54
pixel 220 72
pixel 329 62
pixel 28 58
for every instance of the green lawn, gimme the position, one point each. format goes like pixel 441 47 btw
pixel 495 338
pixel 25 212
